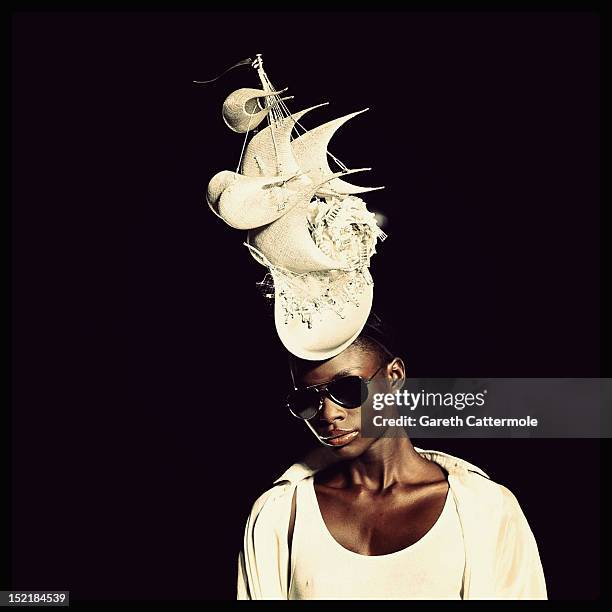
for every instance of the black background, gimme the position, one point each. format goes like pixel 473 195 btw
pixel 147 373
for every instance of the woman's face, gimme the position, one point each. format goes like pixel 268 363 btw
pixel 335 426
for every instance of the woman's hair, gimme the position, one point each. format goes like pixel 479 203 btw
pixel 375 337
pixel 378 337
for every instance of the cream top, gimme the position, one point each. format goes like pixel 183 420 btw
pixel 431 568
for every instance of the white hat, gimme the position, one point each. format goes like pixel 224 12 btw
pixel 305 225
pixel 319 312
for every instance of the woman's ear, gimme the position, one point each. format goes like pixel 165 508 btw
pixel 397 370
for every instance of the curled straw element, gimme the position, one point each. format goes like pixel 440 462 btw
pixel 344 229
pixel 242 110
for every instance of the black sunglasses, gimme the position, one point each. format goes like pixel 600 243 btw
pixel 348 392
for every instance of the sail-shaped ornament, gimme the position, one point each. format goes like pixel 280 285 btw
pixel 311 152
pixel 248 202
pixel 270 151
pixel 244 109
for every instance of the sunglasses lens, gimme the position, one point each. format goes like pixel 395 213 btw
pixel 350 391
pixel 303 404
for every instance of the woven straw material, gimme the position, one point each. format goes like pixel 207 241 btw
pixel 244 109
pixel 269 152
pixel 287 243
pixel 310 150
pixel 246 202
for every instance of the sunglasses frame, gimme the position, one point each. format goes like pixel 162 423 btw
pixel 322 390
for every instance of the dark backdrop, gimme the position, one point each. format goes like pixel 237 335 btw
pixel 147 374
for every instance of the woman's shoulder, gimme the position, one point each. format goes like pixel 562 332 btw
pixel 276 499
pixel 485 497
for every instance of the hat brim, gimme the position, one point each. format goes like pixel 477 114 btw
pixel 329 334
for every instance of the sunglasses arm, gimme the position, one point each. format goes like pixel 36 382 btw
pixel 316 435
pixel 291 372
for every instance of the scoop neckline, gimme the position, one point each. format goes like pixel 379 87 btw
pixel 415 545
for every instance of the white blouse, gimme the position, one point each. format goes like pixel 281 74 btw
pixel 431 568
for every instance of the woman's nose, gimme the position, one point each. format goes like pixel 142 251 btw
pixel 330 411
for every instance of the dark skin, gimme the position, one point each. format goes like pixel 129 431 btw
pixel 382 496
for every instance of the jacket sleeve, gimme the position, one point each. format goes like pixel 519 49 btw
pixel 243 583
pixel 263 560
pixel 518 569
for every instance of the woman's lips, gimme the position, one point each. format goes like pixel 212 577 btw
pixel 342 439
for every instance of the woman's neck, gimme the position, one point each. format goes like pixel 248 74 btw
pixel 387 462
